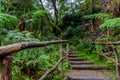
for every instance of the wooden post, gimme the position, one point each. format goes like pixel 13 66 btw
pixel 61 55
pixel 117 61
pixel 97 51
pixel 6 67
pixel 67 47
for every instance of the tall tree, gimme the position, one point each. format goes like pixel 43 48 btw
pixel 55 10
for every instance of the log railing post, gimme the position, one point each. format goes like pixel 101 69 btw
pixel 67 47
pixel 97 51
pixel 117 62
pixel 61 55
pixel 6 67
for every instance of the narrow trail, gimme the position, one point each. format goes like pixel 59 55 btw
pixel 84 70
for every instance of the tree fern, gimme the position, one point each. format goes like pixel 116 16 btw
pixel 8 21
pixel 102 16
pixel 111 23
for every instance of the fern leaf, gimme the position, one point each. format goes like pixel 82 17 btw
pixel 101 16
pixel 111 23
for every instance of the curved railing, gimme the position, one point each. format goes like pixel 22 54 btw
pixel 6 56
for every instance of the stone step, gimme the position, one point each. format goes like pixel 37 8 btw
pixel 87 78
pixel 81 62
pixel 76 59
pixel 87 67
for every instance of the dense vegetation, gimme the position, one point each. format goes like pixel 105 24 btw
pixel 80 21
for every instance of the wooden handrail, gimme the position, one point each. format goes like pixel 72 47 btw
pixel 4 50
pixel 108 43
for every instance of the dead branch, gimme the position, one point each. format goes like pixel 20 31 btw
pixel 4 50
pixel 52 69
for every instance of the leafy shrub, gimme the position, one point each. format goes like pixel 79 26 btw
pixel 8 21
pixel 39 13
pixel 15 36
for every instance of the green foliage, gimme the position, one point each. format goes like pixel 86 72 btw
pixel 1 7
pixel 37 58
pixel 37 22
pixel 14 6
pixel 102 16
pixel 8 21
pixel 3 32
pixel 111 23
pixel 116 38
pixel 39 13
pixel 14 36
pixel 72 26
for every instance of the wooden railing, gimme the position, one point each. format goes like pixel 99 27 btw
pixel 116 60
pixel 6 58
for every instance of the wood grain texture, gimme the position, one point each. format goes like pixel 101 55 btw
pixel 4 50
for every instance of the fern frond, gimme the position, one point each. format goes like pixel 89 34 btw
pixel 111 23
pixel 102 16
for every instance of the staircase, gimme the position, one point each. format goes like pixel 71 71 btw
pixel 84 70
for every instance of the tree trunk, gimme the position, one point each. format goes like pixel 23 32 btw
pixel 55 11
